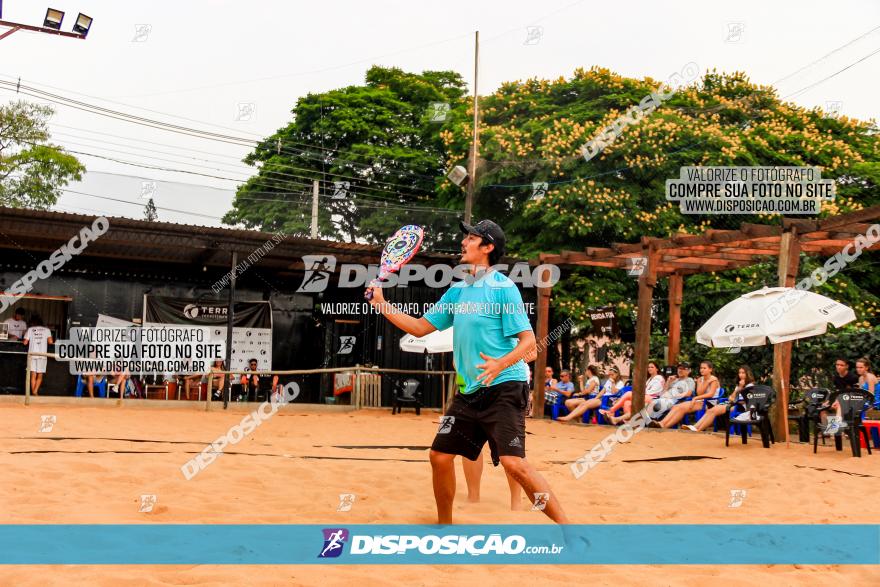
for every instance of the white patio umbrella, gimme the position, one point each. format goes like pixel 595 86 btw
pixel 439 341
pixel 779 314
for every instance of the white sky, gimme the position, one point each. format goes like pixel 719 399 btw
pixel 201 58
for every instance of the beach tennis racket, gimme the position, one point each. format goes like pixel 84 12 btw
pixel 398 251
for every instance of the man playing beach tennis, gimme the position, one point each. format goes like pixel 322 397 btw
pixel 492 335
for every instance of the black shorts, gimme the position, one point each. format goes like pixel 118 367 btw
pixel 495 414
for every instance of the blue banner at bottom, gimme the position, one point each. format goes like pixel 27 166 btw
pixel 684 544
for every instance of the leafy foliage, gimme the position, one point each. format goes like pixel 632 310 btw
pixel 379 137
pixel 32 171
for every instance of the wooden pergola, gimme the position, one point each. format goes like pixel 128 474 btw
pixel 714 250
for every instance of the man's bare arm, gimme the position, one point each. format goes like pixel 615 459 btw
pixel 409 324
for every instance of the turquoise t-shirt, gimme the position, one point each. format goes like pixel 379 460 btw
pixel 487 314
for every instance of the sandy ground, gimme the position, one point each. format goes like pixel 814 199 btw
pixel 93 471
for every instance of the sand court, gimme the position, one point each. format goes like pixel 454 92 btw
pixel 96 463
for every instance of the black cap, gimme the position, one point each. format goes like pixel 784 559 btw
pixel 684 365
pixel 489 231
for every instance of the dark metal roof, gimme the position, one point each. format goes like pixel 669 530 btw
pixel 184 244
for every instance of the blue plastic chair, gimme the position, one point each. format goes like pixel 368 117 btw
pixel 609 399
pixel 81 386
pixel 720 397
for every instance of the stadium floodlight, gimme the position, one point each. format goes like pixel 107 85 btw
pixel 53 19
pixel 82 25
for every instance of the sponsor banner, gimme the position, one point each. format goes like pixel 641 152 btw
pixel 723 544
pixel 251 332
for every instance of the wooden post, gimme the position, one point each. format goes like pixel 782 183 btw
pixel 676 285
pixel 541 360
pixel 357 387
pixel 789 260
pixel 647 281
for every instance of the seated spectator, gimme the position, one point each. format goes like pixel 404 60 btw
pixel 653 388
pixel 120 380
pixel 251 383
pixel 549 395
pixel 579 405
pixel 564 387
pixel 843 379
pixel 867 380
pixel 745 378
pixel 706 388
pixel 678 386
pixel 37 338
pixel 16 326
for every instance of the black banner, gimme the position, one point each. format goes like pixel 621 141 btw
pixel 604 322
pixel 166 310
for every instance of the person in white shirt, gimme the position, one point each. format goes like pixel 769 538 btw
pixel 37 338
pixel 653 388
pixel 580 404
pixel 745 378
pixel 16 326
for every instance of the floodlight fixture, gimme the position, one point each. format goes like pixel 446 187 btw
pixel 53 19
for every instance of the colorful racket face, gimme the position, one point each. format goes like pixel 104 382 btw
pixel 398 251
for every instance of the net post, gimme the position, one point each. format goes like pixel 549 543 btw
pixel 27 380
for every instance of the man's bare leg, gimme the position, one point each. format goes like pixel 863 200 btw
pixel 515 492
pixel 532 482
pixel 473 471
pixel 443 473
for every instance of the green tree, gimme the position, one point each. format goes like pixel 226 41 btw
pixel 534 131
pixel 33 172
pixel 150 211
pixel 379 137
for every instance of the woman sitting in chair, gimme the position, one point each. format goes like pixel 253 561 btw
pixel 745 378
pixel 653 388
pixel 707 387
pixel 867 380
pixel 578 404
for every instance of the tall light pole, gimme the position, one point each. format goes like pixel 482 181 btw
pixel 51 25
pixel 472 165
